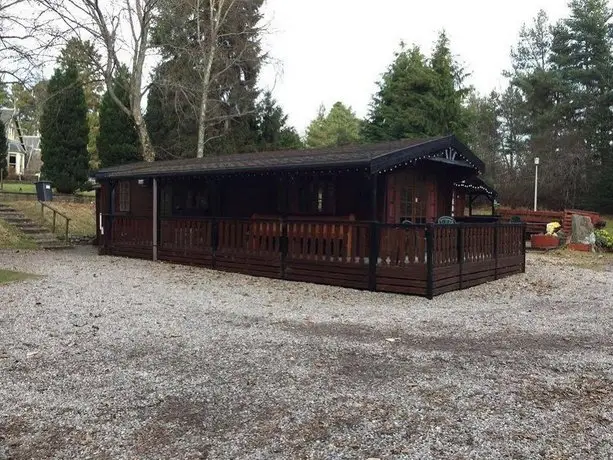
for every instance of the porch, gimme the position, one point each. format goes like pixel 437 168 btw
pixel 425 260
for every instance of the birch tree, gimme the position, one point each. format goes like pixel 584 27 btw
pixel 209 46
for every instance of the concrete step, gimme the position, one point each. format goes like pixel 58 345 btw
pixel 40 235
pixel 44 238
pixel 32 230
pixel 13 216
pixel 56 246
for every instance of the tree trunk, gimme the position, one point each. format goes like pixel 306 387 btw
pixel 143 135
pixel 206 80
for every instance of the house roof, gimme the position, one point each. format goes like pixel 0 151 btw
pixel 15 147
pixel 376 158
pixel 6 114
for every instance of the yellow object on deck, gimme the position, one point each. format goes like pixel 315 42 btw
pixel 553 227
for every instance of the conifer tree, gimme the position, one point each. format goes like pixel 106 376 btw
pixel 64 132
pixel 117 142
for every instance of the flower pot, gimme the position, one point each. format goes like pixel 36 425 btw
pixel 544 241
pixel 580 247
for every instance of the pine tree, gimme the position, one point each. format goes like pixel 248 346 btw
pixel 403 105
pixel 176 93
pixel 582 56
pixel 117 140
pixel 339 127
pixel 419 97
pixel 274 134
pixel 483 134
pixel 449 91
pixel 64 132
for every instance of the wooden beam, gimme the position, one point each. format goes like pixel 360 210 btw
pixel 155 219
pixel 374 184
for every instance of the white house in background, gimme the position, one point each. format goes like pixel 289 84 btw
pixel 23 155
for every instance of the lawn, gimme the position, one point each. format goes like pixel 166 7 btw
pixel 28 187
pixel 19 187
pixel 8 276
pixel 11 238
pixel 82 216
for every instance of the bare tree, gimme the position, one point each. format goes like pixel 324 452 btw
pixel 120 30
pixel 20 55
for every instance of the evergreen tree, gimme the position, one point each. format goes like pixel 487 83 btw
pixel 117 140
pixel 82 54
pixel 4 149
pixel 339 127
pixel 403 107
pixel 418 97
pixel 582 57
pixel 448 91
pixel 274 134
pixel 64 132
pixel 175 97
pixel 483 133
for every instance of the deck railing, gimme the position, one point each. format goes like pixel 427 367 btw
pixel 419 259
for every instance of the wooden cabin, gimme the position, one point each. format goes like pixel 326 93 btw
pixel 378 217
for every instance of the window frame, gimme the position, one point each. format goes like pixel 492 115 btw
pixel 124 196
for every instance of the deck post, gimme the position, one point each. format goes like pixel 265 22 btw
pixel 373 256
pixel 108 238
pixel 214 240
pixel 155 220
pixel 373 253
pixel 523 246
pixel 430 261
pixel 283 246
pixel 460 245
pixel 496 227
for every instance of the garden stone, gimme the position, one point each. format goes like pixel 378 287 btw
pixel 583 230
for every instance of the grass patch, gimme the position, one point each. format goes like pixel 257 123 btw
pixel 82 216
pixel 8 276
pixel 19 187
pixel 11 238
pixel 28 187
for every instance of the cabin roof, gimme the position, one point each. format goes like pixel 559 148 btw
pixel 376 158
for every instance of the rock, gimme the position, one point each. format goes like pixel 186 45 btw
pixel 583 230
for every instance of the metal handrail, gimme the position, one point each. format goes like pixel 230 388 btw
pixel 44 205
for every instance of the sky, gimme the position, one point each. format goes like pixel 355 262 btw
pixel 323 51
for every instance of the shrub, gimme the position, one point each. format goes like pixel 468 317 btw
pixel 604 239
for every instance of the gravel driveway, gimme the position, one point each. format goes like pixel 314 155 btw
pixel 115 358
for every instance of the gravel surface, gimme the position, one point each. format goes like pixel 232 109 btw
pixel 115 358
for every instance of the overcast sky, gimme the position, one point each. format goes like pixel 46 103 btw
pixel 330 50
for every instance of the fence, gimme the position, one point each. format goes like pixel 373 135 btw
pixel 425 260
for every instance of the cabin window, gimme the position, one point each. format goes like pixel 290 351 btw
pixel 124 196
pixel 191 200
pixel 318 197
pixel 413 204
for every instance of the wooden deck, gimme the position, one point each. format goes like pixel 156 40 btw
pixel 425 260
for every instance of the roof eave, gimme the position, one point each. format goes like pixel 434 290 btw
pixel 120 175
